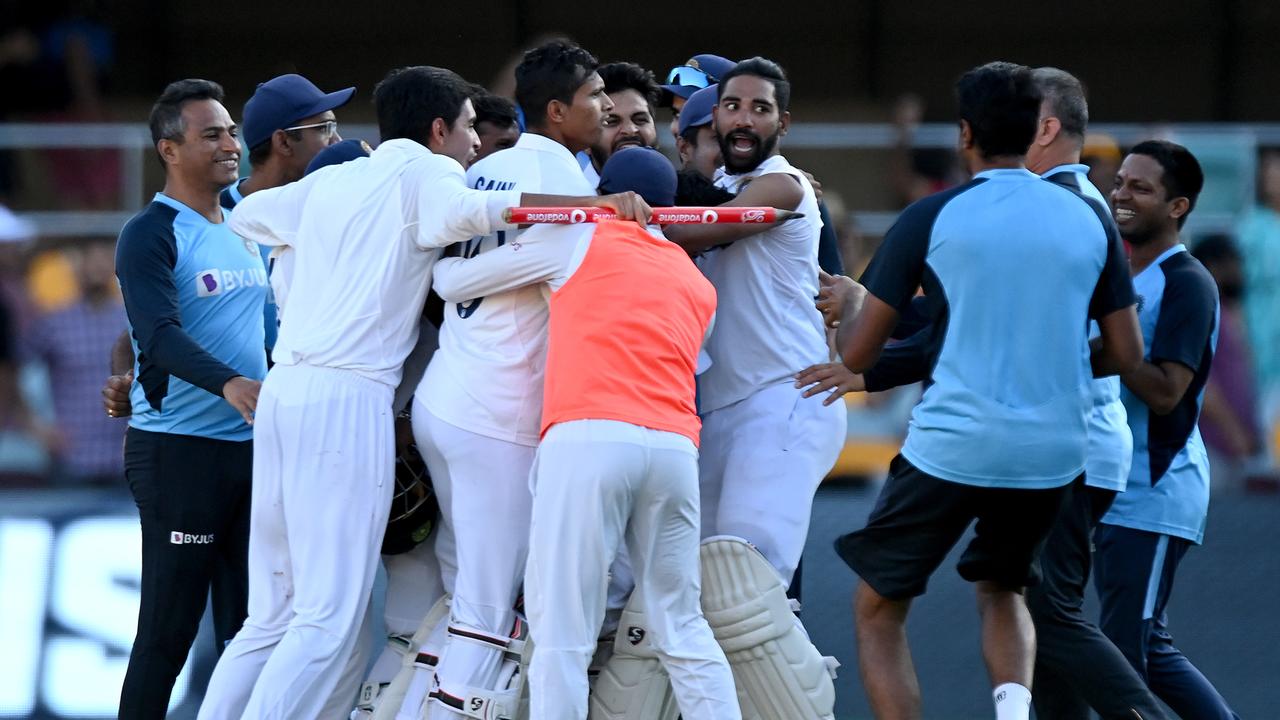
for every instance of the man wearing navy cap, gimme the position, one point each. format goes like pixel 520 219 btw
pixel 696 140
pixel 683 81
pixel 286 123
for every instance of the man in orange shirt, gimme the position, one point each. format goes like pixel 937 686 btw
pixel 617 466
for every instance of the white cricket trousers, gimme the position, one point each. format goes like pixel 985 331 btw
pixel 482 486
pixel 763 458
pixel 599 485
pixel 413 586
pixel 323 464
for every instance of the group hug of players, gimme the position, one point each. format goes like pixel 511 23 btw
pixel 625 424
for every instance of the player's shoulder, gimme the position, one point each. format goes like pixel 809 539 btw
pixel 923 213
pixel 504 169
pixel 1185 275
pixel 1080 198
pixel 156 220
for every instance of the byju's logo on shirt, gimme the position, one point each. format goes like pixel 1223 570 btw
pixel 215 282
pixel 181 538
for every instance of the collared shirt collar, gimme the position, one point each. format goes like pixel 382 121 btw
pixel 994 173
pixel 534 141
pixel 1069 167
pixel 182 207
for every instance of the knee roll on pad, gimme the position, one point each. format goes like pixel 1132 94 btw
pixel 780 675
pixel 632 684
pixel 408 690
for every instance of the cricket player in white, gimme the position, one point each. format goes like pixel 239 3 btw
pixel 477 409
pixel 617 468
pixel 366 235
pixel 765 448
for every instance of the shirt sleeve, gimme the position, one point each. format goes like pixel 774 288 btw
pixel 1188 314
pixel 828 243
pixel 540 254
pixel 272 216
pixel 901 363
pixel 146 254
pixel 1115 285
pixel 896 269
pixel 450 212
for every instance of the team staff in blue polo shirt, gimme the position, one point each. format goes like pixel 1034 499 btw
pixel 194 293
pixel 1162 511
pixel 1012 268
pixel 1077 666
pixel 286 123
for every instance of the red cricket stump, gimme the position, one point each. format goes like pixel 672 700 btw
pixel 660 216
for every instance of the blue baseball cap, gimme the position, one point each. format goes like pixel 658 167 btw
pixel 641 170
pixel 697 109
pixel 698 72
pixel 338 153
pixel 282 101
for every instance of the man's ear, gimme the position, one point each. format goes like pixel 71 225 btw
pixel 280 142
pixel 168 150
pixel 966 135
pixel 784 123
pixel 1178 207
pixel 436 136
pixel 684 150
pixel 1047 130
pixel 556 112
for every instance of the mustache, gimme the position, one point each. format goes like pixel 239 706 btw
pixel 629 138
pixel 733 134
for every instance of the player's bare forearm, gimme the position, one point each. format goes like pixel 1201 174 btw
pixel 122 355
pixel 775 190
pixel 1159 386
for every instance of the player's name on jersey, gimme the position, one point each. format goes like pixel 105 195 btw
pixel 659 216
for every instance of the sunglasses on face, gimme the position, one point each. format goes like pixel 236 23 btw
pixel 688 76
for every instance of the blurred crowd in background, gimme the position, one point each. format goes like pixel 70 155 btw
pixel 60 308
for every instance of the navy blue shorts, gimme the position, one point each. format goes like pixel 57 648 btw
pixel 918 518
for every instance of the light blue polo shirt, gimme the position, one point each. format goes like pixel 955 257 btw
pixel 194 293
pixel 1110 452
pixel 1013 267
pixel 1168 491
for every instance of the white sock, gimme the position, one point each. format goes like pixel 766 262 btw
pixel 1013 702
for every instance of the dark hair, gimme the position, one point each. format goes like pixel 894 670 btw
pixel 409 99
pixel 1216 247
pixel 695 190
pixel 1065 95
pixel 619 76
pixel 166 115
pixel 492 109
pixel 690 135
pixel 1182 175
pixel 553 71
pixel 762 68
pixel 1001 103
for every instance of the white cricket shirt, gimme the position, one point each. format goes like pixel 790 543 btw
pixel 487 375
pixel 365 235
pixel 767 328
